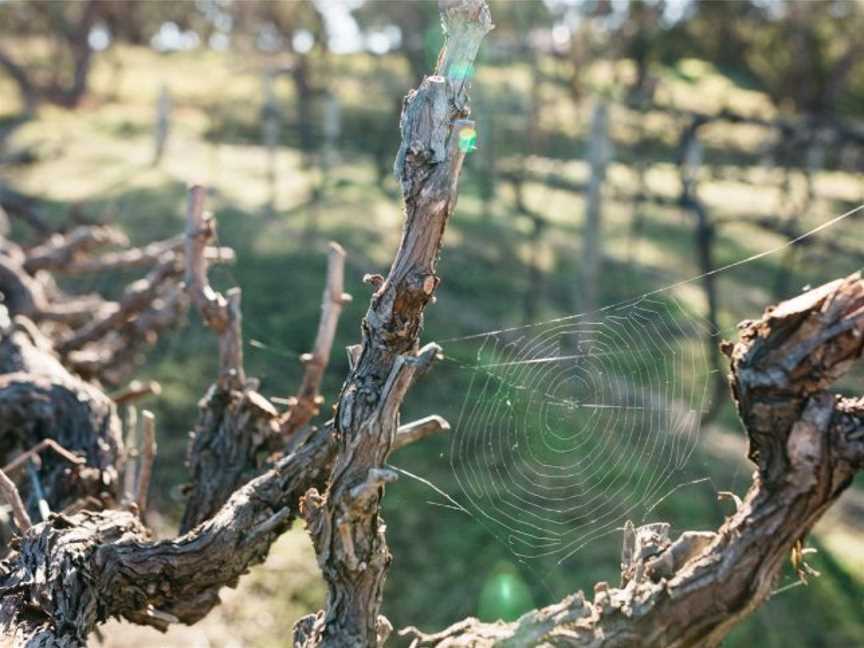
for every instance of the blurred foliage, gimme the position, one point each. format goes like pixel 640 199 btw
pixel 806 55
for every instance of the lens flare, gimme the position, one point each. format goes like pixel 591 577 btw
pixel 460 71
pixel 505 595
pixel 467 139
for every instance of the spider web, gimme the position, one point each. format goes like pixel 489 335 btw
pixel 571 427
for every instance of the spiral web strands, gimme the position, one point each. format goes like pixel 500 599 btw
pixel 570 428
pixel 573 425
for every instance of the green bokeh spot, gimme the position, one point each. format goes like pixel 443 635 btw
pixel 467 140
pixel 505 595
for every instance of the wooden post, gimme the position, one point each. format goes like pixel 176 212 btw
pixel 641 165
pixel 598 159
pixel 329 151
pixel 163 124
pixel 271 126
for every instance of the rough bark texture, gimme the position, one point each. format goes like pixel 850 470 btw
pixel 807 442
pixel 76 569
pixel 42 405
pixel 238 429
pixel 70 573
pixel 98 339
pixel 235 432
pixel 345 522
pixel 40 399
pixel 57 350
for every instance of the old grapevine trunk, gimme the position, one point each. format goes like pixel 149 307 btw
pixel 345 521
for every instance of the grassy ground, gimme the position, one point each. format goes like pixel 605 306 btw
pixel 447 565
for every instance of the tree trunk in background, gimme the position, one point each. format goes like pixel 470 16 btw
pixel 534 291
pixel 642 164
pixel 82 56
pixel 592 249
pixel 814 160
pixel 305 94
pixel 26 90
pixel 637 220
pixel 74 37
pixel 691 162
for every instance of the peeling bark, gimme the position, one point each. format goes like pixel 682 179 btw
pixel 97 565
pixel 345 522
pixel 237 427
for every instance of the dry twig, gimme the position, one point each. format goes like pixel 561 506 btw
pixel 13 498
pixel 309 400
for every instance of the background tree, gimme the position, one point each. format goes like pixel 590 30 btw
pixel 62 79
